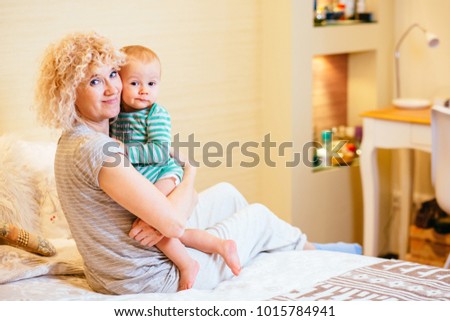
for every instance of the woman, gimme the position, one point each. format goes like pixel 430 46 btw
pixel 102 194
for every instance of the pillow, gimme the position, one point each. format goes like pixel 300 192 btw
pixel 53 223
pixel 52 220
pixel 28 197
pixel 20 238
pixel 18 194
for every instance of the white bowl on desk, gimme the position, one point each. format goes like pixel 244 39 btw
pixel 411 103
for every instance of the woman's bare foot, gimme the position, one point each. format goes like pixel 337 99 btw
pixel 228 251
pixel 188 274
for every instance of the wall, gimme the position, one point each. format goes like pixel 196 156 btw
pixel 433 65
pixel 210 53
pixel 229 71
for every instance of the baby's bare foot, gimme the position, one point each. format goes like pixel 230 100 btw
pixel 188 274
pixel 230 255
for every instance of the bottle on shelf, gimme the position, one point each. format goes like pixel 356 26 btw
pixel 358 139
pixel 342 140
pixel 350 8
pixel 326 149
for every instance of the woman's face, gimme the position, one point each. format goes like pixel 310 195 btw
pixel 98 98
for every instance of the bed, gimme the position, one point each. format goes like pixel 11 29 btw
pixel 52 269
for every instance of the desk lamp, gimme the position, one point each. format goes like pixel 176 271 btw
pixel 432 41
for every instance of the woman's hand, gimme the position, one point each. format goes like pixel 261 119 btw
pixel 144 233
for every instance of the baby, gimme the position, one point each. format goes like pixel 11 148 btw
pixel 145 128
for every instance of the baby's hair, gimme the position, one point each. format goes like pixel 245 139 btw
pixel 66 64
pixel 140 53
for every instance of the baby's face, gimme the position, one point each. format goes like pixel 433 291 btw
pixel 140 84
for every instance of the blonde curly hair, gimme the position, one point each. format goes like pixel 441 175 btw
pixel 66 64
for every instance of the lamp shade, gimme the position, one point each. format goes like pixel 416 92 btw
pixel 432 40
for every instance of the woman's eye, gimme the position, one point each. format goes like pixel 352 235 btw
pixel 94 82
pixel 113 74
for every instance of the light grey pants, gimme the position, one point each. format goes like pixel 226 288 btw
pixel 225 213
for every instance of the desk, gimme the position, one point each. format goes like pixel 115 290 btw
pixel 390 128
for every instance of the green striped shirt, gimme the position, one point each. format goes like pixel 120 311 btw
pixel 147 135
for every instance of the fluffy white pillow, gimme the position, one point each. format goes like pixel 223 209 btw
pixel 33 201
pixel 18 193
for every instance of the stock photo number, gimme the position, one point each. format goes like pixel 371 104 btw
pixel 294 310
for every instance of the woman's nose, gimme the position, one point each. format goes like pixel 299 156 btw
pixel 111 89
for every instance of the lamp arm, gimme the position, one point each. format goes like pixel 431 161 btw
pixel 397 47
pixel 397 54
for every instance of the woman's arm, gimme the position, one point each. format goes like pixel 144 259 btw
pixel 134 192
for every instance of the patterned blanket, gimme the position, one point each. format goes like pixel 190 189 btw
pixel 17 264
pixel 390 280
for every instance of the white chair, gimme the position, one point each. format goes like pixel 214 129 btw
pixel 440 158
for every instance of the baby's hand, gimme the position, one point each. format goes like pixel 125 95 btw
pixel 144 233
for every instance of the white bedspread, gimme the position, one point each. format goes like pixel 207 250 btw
pixel 267 276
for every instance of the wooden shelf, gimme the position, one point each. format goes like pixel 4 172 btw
pixel 354 163
pixel 338 23
pixel 352 38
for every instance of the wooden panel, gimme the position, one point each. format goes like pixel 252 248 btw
pixel 417 116
pixel 429 250
pixel 429 235
pixel 428 247
pixel 329 95
pixel 421 260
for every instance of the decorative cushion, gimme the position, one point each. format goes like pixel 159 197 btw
pixel 53 223
pixel 20 238
pixel 52 220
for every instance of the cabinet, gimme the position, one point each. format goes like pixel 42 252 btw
pixel 327 205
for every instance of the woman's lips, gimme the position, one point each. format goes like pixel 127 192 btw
pixel 111 101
